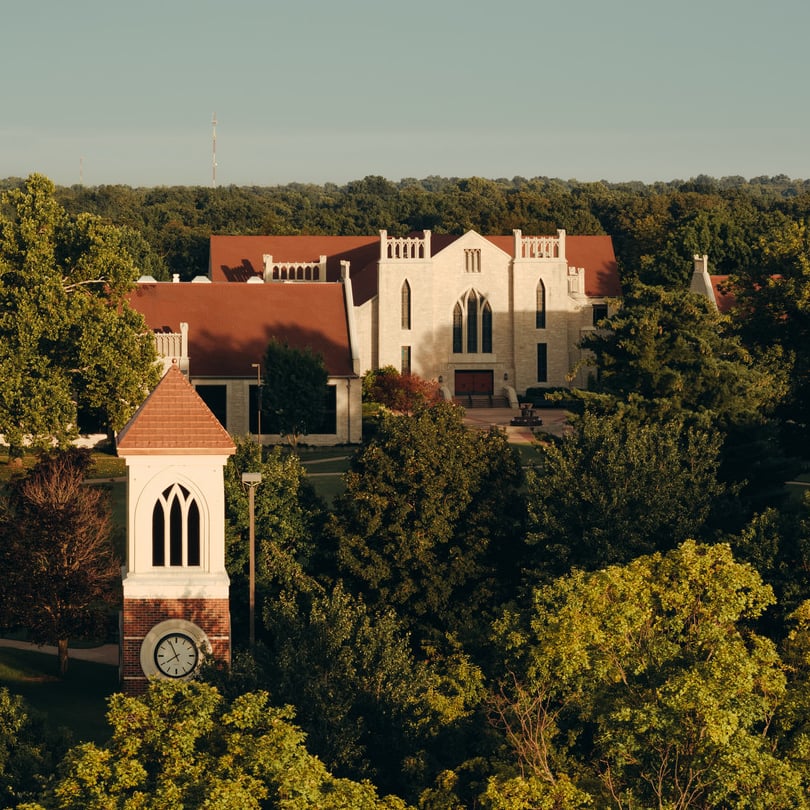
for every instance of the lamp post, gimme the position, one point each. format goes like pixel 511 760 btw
pixel 258 367
pixel 252 480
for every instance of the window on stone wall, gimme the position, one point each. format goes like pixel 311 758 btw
pixel 540 316
pixel 542 362
pixel 329 421
pixel 216 398
pixel 406 305
pixel 600 312
pixel 472 319
pixel 176 528
pixel 472 260
pixel 406 360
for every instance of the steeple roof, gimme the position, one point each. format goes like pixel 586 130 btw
pixel 174 420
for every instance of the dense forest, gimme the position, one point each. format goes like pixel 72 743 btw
pixel 618 618
pixel 656 228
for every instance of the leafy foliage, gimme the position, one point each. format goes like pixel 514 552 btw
pixel 648 675
pixel 288 519
pixel 614 488
pixel 293 390
pixel 68 339
pixel 61 576
pixel 672 353
pixel 430 520
pixel 402 393
pixel 28 751
pixel 182 745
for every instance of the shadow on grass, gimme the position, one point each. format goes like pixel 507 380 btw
pixel 78 703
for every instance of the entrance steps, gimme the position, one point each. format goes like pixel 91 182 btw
pixel 481 401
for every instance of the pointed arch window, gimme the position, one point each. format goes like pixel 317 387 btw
pixel 472 324
pixel 458 328
pixel 176 528
pixel 406 305
pixel 540 317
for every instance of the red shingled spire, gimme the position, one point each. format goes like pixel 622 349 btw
pixel 174 420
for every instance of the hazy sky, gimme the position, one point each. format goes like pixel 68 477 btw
pixel 322 91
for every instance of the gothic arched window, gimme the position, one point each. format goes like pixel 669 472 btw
pixel 540 318
pixel 176 528
pixel 406 305
pixel 472 317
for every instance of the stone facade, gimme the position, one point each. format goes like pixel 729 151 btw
pixel 499 320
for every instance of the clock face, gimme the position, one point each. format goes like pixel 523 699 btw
pixel 176 655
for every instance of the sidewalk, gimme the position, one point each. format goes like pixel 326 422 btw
pixel 103 654
pixel 554 422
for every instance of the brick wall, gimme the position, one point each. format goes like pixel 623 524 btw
pixel 212 616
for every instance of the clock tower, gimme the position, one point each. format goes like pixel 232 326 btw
pixel 176 610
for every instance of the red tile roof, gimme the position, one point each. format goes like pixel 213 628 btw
pixel 236 258
pixel 230 325
pixel 174 420
pixel 722 294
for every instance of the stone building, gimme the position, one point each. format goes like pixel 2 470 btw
pixel 486 316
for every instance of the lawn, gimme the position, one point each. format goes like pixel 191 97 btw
pixel 79 702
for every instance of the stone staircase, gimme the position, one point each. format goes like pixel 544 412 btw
pixel 481 401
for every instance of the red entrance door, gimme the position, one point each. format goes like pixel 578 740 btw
pixel 474 382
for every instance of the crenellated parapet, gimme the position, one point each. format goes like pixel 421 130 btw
pixel 172 348
pixel 293 271
pixel 539 247
pixel 404 247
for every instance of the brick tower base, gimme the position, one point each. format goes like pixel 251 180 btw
pixel 212 616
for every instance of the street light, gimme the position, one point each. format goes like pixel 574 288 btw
pixel 258 367
pixel 251 480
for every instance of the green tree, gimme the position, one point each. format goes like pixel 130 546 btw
pixel 60 573
pixel 430 520
pixel 68 339
pixel 183 745
pixel 673 353
pixel 773 309
pixel 648 676
pixel 370 706
pixel 293 390
pixel 615 488
pixel 28 751
pixel 289 520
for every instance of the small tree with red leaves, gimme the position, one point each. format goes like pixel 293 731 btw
pixel 401 393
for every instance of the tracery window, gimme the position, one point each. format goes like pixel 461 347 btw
pixel 176 528
pixel 472 324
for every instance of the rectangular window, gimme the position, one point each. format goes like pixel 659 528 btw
pixel 405 366
pixel 472 260
pixel 329 421
pixel 542 362
pixel 254 405
pixel 216 398
pixel 600 312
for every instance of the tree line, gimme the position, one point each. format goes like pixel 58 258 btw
pixel 656 228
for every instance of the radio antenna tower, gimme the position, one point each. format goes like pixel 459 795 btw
pixel 214 152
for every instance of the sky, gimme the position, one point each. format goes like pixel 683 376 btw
pixel 317 91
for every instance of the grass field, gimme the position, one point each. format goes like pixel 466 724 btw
pixel 78 702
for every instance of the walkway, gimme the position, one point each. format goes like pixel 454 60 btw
pixel 103 654
pixel 554 422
